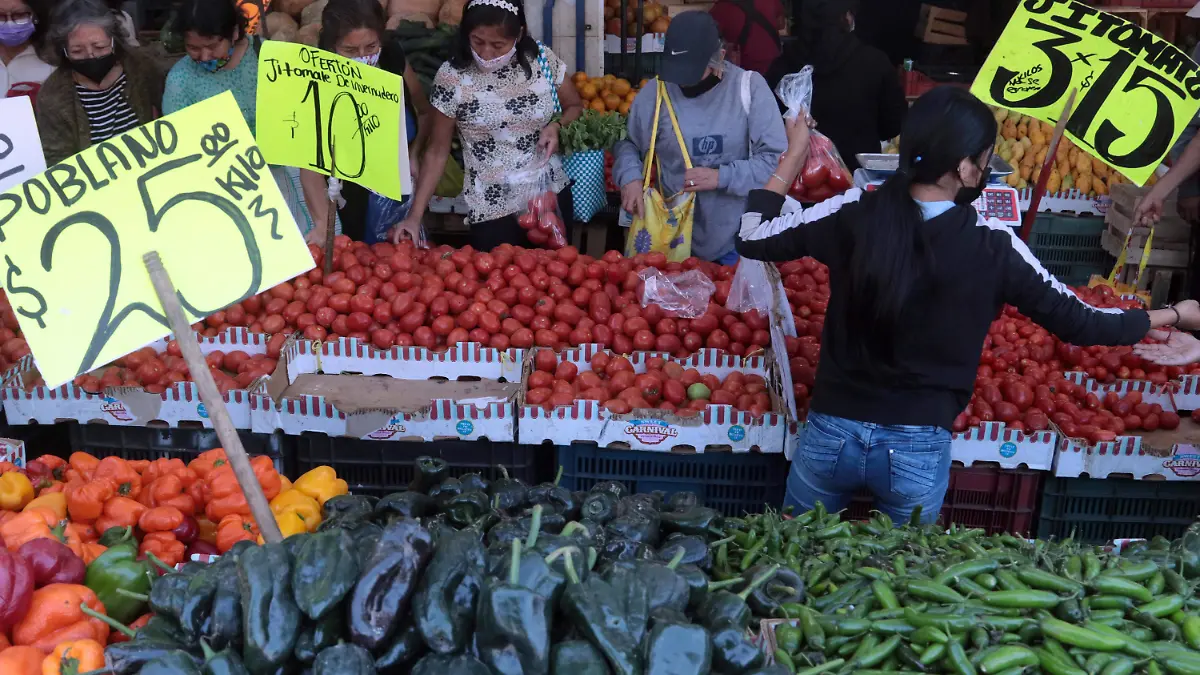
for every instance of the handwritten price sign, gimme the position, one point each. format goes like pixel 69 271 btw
pixel 20 147
pixel 196 190
pixel 1136 91
pixel 329 114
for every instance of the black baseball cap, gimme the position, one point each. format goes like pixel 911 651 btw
pixel 691 41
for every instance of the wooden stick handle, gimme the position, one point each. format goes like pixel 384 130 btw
pixel 330 219
pixel 1035 199
pixel 213 401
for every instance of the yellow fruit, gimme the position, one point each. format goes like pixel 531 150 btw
pixel 612 101
pixel 1099 186
pixel 1040 157
pixel 579 76
pixel 630 96
pixel 1025 171
pixel 1022 130
pixel 1009 130
pixel 597 105
pixel 1099 169
pixel 609 78
pixel 620 86
pixel 1037 138
pixel 1084 184
pixel 1018 151
pixel 1054 182
pixel 624 108
pixel 1000 114
pixel 587 91
pixel 1012 179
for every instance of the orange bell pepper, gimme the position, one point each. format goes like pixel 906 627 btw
pixel 119 512
pixel 127 482
pixel 225 494
pixel 56 502
pixel 27 526
pixel 21 661
pixel 91 551
pixel 85 501
pixel 268 477
pixel 74 657
pixel 208 530
pixel 170 491
pixel 234 528
pixel 160 519
pixel 138 465
pixel 167 467
pixel 207 461
pixel 117 636
pixel 57 465
pixel 83 464
pixel 164 546
pixel 53 487
pixel 56 615
pixel 87 532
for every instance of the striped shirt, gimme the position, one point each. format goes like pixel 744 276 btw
pixel 108 111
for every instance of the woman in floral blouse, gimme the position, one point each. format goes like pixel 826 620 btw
pixel 499 89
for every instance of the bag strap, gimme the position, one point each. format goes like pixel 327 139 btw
pixel 753 16
pixel 745 87
pixel 544 65
pixel 653 139
pixel 650 156
pixel 687 160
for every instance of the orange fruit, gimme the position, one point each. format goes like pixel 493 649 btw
pixel 630 96
pixel 597 104
pixel 612 101
pixel 587 91
pixel 624 108
pixel 579 76
pixel 620 86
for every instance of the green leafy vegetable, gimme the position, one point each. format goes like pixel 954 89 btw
pixel 592 131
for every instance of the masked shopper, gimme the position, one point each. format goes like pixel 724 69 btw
pixel 731 128
pixel 499 89
pixel 22 27
pixel 916 277
pixel 100 89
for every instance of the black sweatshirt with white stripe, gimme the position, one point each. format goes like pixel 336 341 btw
pixel 978 266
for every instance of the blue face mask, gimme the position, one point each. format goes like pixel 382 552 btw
pixel 213 65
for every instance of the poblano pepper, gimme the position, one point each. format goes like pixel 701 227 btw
pixel 599 506
pixel 510 493
pixel 445 602
pixel 127 658
pixel 344 659
pixel 445 490
pixel 119 567
pixel 225 627
pixel 578 657
pixel 168 594
pixel 725 608
pixel 270 617
pixel 732 653
pixel 784 586
pixel 695 550
pixel 551 495
pixel 634 526
pixel 177 662
pixel 474 481
pixel 611 487
pixel 354 506
pixel 430 471
pixel 681 501
pixel 612 615
pixel 696 520
pixel 443 664
pixel 403 650
pixel 678 649
pixel 320 634
pixel 224 662
pixel 324 572
pixel 407 504
pixel 380 600
pixel 195 613
pixel 464 509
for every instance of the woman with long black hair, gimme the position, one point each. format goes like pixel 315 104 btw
pixel 500 89
pixel 916 277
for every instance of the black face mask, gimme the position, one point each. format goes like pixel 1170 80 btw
pixel 701 87
pixel 94 69
pixel 968 194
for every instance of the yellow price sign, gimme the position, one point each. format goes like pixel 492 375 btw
pixel 329 114
pixel 1136 91
pixel 197 191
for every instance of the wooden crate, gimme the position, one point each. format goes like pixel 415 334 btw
pixel 1112 243
pixel 1171 232
pixel 940 26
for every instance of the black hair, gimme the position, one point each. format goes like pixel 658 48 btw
pixel 891 257
pixel 342 17
pixel 511 24
pixel 41 21
pixel 210 18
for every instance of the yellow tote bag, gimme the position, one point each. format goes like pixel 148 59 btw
pixel 666 226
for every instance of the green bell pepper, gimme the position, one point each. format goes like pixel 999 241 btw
pixel 119 568
pixel 271 619
pixel 513 623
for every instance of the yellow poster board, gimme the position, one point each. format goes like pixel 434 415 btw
pixel 192 186
pixel 329 114
pixel 1136 91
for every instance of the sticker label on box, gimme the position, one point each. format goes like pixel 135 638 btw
pixel 464 428
pixel 1185 462
pixel 651 432
pixel 393 427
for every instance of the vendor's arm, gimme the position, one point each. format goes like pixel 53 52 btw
pixel 315 187
pixel 433 163
pixel 1149 209
pixel 1046 300
pixel 767 141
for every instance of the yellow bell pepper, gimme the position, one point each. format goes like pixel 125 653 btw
pixel 322 484
pixel 289 523
pixel 15 491
pixel 285 483
pixel 295 501
pixel 55 501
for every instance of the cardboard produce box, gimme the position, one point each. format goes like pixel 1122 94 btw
pixel 340 390
pixel 1152 455
pixel 719 427
pixel 130 406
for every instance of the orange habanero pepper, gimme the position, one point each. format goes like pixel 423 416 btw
pixel 234 528
pixel 27 526
pixel 170 491
pixel 83 464
pixel 126 481
pixel 85 501
pixel 21 661
pixel 56 615
pixel 164 546
pixel 74 657
pixel 119 512
pixel 160 519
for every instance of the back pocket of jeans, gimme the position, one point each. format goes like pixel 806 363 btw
pixel 916 467
pixel 820 453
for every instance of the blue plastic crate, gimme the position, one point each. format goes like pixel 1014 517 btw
pixel 730 483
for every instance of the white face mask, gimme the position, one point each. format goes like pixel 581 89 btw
pixel 371 60
pixel 492 65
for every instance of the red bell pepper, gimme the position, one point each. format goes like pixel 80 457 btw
pixel 16 587
pixel 52 562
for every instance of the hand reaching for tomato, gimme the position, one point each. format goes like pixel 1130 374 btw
pixel 1178 348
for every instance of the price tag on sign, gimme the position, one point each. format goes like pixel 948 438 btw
pixel 329 114
pixel 20 147
pixel 196 190
pixel 1136 91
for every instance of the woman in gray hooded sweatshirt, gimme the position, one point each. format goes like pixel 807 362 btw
pixel 731 127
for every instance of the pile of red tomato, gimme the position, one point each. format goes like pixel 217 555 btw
pixel 665 385
pixel 155 371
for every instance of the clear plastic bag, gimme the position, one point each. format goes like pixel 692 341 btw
pixel 540 218
pixel 685 295
pixel 825 174
pixel 382 214
pixel 750 288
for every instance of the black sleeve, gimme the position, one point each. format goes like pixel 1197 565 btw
pixel 1031 289
pixel 767 234
pixel 391 55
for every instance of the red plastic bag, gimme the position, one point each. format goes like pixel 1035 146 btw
pixel 542 221
pixel 825 174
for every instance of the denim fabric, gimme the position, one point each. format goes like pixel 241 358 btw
pixel 903 467
pixel 730 258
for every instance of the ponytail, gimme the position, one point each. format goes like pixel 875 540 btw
pixel 892 257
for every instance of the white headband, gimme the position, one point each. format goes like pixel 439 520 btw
pixel 494 3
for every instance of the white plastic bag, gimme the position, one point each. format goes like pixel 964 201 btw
pixel 750 288
pixel 795 90
pixel 685 295
pixel 825 174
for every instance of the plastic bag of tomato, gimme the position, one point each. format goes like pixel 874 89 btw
pixel 541 219
pixel 825 175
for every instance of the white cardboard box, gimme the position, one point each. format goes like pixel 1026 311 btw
pixel 1067 201
pixel 131 406
pixel 1156 455
pixel 12 450
pixel 309 392
pixel 719 427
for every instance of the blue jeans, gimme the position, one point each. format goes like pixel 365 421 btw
pixel 730 258
pixel 903 467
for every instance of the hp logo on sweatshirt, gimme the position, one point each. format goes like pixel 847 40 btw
pixel 708 145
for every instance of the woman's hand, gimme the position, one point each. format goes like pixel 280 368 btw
pixel 633 199
pixel 1180 349
pixel 317 235
pixel 798 137
pixel 409 228
pixel 699 179
pixel 1149 208
pixel 548 142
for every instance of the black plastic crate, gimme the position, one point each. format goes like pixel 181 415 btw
pixel 1101 510
pixel 382 467
pixel 150 443
pixel 732 484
